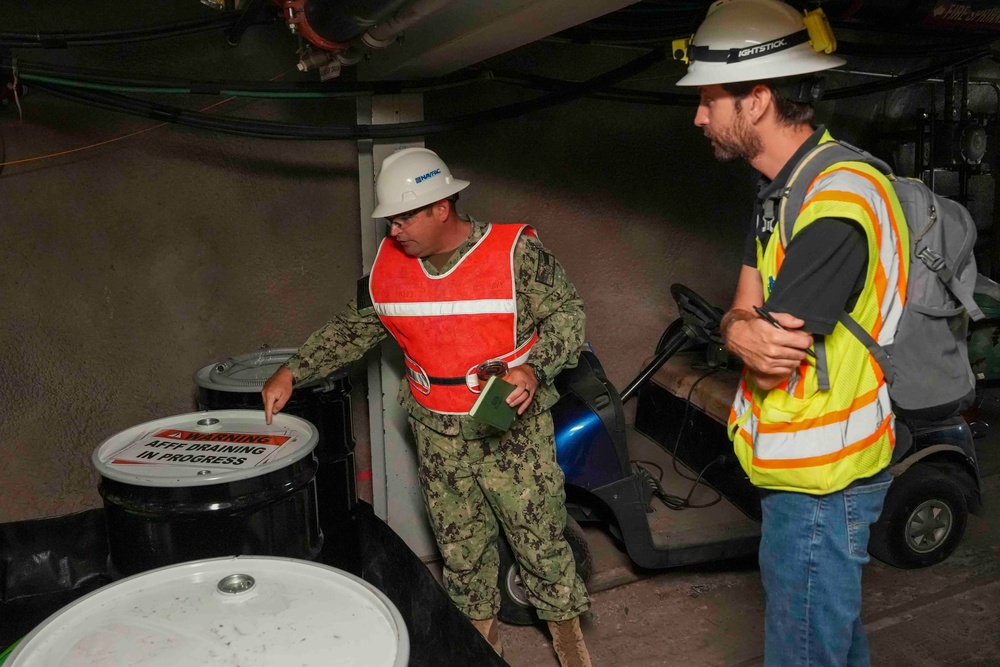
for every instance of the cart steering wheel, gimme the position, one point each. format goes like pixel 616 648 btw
pixel 699 321
pixel 695 310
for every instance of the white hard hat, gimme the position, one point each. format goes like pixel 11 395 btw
pixel 411 178
pixel 754 40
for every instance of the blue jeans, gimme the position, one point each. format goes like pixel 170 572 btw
pixel 812 550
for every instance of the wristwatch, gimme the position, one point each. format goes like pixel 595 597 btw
pixel 539 374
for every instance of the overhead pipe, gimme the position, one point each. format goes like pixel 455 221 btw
pixel 385 33
pixel 298 23
pixel 379 36
pixel 334 25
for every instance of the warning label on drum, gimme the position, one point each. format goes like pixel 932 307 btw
pixel 177 447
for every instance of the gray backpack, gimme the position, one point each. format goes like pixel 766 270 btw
pixel 927 367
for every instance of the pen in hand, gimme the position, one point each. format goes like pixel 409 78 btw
pixel 767 316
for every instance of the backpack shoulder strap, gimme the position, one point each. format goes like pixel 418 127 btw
pixel 793 196
pixel 815 162
pixel 880 354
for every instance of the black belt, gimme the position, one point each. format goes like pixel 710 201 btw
pixel 453 381
pixel 446 381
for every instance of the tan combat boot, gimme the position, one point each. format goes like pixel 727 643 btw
pixel 490 630
pixel 567 640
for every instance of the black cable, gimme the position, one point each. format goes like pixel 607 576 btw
pixel 640 30
pixel 338 89
pixel 562 92
pixel 63 40
pixel 686 502
pixel 275 89
pixel 903 79
pixel 881 29
pixel 642 462
pixel 673 99
pixel 351 89
pixel 866 49
pixel 680 431
pixel 671 501
pixel 537 82
pixel 273 130
pixel 618 30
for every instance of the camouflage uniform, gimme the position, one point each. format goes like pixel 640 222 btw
pixel 470 473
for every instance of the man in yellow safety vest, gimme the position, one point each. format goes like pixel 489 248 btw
pixel 812 423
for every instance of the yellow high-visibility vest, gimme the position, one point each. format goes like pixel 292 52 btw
pixel 804 437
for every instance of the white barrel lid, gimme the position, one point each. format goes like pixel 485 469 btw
pixel 202 448
pixel 248 610
pixel 247 373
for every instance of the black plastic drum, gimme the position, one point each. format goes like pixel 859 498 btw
pixel 236 384
pixel 207 484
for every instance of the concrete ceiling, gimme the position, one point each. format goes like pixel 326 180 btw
pixel 465 33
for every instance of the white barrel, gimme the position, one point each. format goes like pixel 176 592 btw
pixel 249 611
pixel 204 448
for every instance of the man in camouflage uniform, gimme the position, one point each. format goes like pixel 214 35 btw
pixel 473 476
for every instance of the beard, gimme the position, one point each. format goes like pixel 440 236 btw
pixel 738 140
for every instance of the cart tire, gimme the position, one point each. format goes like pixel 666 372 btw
pixel 923 519
pixel 514 605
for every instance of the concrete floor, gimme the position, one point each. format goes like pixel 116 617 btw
pixel 705 616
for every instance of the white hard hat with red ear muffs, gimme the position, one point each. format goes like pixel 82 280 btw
pixel 411 178
pixel 755 40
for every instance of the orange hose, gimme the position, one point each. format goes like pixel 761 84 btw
pixel 111 141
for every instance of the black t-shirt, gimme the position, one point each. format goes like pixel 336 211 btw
pixel 825 264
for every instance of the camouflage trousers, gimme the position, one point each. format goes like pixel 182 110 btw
pixel 513 479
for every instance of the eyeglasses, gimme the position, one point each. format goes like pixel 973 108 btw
pixel 404 220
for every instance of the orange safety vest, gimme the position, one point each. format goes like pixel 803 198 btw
pixel 449 324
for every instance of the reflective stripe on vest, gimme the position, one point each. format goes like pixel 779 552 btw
pixel 797 437
pixel 450 323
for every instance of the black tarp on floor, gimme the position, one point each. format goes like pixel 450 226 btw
pixel 46 564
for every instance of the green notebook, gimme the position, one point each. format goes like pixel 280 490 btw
pixel 491 406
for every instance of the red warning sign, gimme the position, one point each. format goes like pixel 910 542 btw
pixel 239 438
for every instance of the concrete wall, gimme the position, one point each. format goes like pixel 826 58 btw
pixel 128 266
